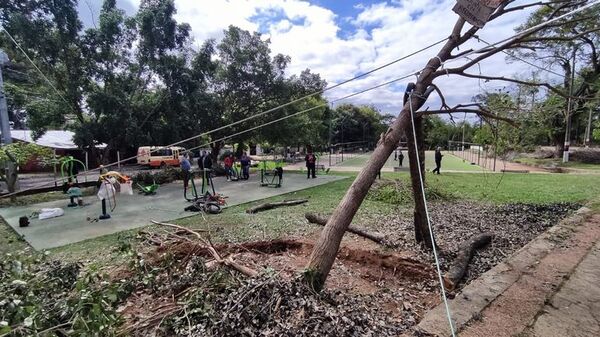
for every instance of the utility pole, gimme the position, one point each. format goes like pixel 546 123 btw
pixel 4 123
pixel 568 130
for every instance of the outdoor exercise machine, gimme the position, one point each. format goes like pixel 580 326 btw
pixel 68 169
pixel 205 200
pixel 107 190
pixel 149 189
pixel 271 178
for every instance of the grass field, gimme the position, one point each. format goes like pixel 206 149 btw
pixel 449 162
pixel 235 225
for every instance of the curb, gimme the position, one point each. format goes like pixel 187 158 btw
pixel 477 295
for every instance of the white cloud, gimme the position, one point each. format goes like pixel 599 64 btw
pixel 381 32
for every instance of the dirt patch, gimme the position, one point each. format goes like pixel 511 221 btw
pixel 513 225
pixel 370 292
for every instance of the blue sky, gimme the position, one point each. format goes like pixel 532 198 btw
pixel 340 39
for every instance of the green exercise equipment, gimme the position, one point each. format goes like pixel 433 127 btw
pixel 150 189
pixel 68 168
pixel 271 178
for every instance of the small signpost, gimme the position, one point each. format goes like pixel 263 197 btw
pixel 476 12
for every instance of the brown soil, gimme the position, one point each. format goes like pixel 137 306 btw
pixel 361 268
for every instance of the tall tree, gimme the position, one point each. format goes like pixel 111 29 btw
pixel 576 41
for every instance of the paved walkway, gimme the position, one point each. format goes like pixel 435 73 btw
pixel 549 288
pixel 137 210
pixel 575 309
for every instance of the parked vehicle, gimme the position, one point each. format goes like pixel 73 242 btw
pixel 158 156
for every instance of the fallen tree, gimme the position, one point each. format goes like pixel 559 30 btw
pixel 376 237
pixel 271 205
pixel 465 253
pixel 328 244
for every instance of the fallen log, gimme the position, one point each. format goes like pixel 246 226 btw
pixel 376 237
pixel 271 205
pixel 465 252
pixel 228 261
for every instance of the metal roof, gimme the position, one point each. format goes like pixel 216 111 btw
pixel 56 139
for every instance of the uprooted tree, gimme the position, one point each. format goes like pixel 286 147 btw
pixel 327 246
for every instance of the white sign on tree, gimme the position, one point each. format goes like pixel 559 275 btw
pixel 476 12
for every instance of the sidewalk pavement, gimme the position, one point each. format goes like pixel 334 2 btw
pixel 549 288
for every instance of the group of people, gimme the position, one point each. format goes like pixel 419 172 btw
pixel 229 164
pixel 205 165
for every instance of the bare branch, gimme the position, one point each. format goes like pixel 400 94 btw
pixel 463 108
pixel 442 98
pixel 513 80
pixel 561 38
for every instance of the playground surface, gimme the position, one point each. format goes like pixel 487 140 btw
pixel 134 211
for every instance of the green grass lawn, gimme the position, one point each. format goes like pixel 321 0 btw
pixel 449 162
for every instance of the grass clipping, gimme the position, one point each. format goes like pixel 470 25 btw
pixel 398 192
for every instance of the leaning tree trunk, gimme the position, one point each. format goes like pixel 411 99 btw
pixel 420 216
pixel 328 244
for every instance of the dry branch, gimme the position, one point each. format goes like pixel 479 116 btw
pixel 228 261
pixel 271 205
pixel 376 237
pixel 465 252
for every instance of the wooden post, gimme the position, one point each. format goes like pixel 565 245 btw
pixel 87 165
pixel 54 162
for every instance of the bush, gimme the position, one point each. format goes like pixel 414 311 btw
pixel 164 176
pixel 587 156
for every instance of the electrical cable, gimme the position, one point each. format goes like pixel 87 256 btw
pixel 304 111
pixel 435 255
pixel 528 30
pixel 235 134
pixel 326 89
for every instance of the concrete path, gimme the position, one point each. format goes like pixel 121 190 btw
pixel 549 287
pixel 137 210
pixel 575 309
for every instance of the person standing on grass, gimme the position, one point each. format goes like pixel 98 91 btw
pixel 438 160
pixel 310 164
pixel 245 162
pixel 186 167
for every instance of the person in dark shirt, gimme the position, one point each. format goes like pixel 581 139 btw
pixel 245 162
pixel 201 160
pixel 400 158
pixel 310 164
pixel 438 160
pixel 186 168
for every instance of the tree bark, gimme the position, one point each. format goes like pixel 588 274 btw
pixel 375 237
pixel 271 205
pixel 419 214
pixel 327 246
pixel 465 252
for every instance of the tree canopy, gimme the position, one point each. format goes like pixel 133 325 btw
pixel 137 80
